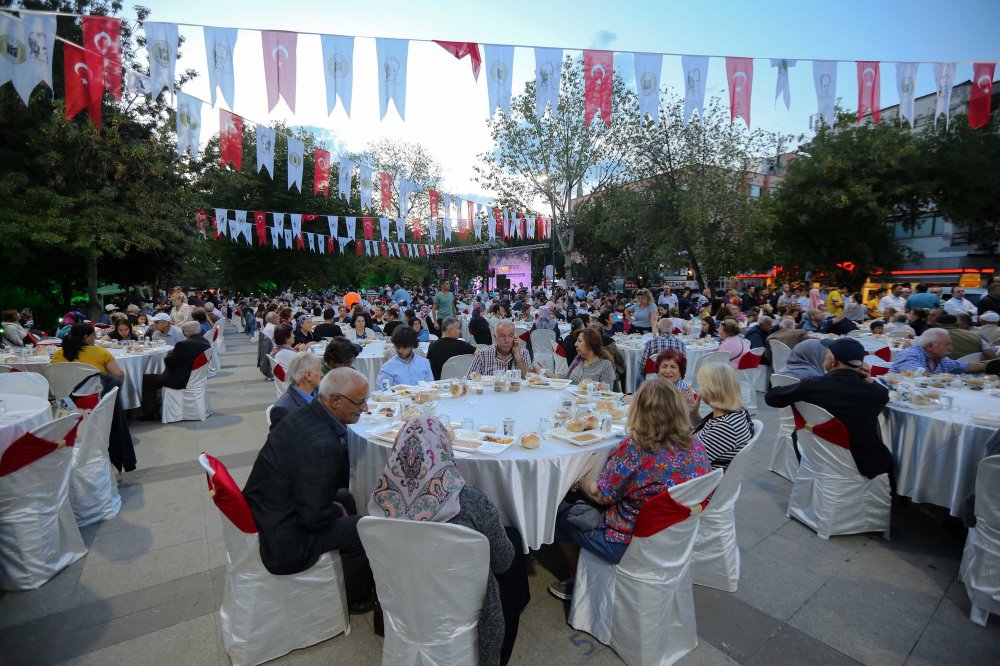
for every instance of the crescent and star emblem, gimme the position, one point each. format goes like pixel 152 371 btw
pixel 736 81
pixel 283 51
pixel 82 71
pixel 597 72
pixel 322 164
pixel 985 83
pixel 868 76
pixel 103 42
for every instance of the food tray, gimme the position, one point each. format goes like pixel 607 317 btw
pixel 584 438
pixel 479 442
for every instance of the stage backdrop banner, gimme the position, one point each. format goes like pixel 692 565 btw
pixel 513 263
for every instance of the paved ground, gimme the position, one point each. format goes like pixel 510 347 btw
pixel 148 591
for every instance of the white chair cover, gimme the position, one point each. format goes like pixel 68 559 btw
pixel 779 355
pixel 93 491
pixel 38 534
pixel 710 357
pixel 559 362
pixel 541 348
pixel 972 358
pixel 267 415
pixel 6 368
pixel 264 616
pixel 63 377
pixel 430 603
pixel 783 459
pixel 456 367
pixel 980 569
pixel 829 494
pixel 212 335
pixel 190 403
pixel 26 383
pixel 715 561
pixel 750 378
pixel 220 342
pixel 643 607
pixel 281 380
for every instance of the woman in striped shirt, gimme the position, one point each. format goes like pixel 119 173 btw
pixel 728 428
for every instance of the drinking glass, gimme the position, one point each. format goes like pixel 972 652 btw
pixel 445 419
pixel 468 424
pixel 3 408
pixel 544 425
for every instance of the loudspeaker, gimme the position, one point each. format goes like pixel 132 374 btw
pixel 503 282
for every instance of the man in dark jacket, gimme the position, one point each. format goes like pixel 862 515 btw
pixel 448 346
pixel 757 333
pixel 297 490
pixel 304 375
pixel 179 362
pixel 851 397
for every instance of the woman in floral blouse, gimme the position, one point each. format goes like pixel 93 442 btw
pixel 659 453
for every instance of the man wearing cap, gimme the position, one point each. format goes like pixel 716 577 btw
pixel 849 394
pixel 988 327
pixel 162 328
pixel 108 309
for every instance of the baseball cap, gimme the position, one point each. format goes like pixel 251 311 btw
pixel 161 316
pixel 846 350
pixel 991 317
pixel 110 307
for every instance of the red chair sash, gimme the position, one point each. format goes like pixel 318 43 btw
pixel 650 366
pixel 229 498
pixel 877 370
pixel 749 361
pixel 560 351
pixel 279 372
pixel 832 431
pixel 883 353
pixel 526 336
pixel 86 401
pixel 201 360
pixel 29 447
pixel 663 511
pixel 215 336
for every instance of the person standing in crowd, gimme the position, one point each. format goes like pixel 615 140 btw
pixel 922 300
pixel 646 314
pixel 444 302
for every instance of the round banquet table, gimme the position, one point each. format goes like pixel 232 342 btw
pixel 526 485
pixel 24 413
pixel 937 451
pixel 133 366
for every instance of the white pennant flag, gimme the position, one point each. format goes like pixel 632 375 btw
pixel 276 238
pixel 781 88
pixel 448 201
pixel 220 219
pixel 248 233
pixel 944 77
pixel 265 149
pixel 648 67
pixel 352 227
pixel 405 188
pixel 296 219
pixel 401 228
pixel 368 248
pixel 219 46
pixel 548 67
pixel 279 221
pixel 499 66
pixel 383 227
pixel 338 67
pixel 392 74
pixel 395 248
pixel 341 242
pixel 906 88
pixel 321 243
pixel 344 172
pixel 506 223
pixel 365 176
pixel 311 241
pixel 188 124
pixel 288 239
pixel 477 222
pixel 460 210
pixel 241 223
pixel 530 223
pixel 295 150
pixel 825 80
pixel 446 226
pixel 28 45
pixel 491 223
pixel 234 230
pixel 695 80
pixel 332 223
pixel 138 83
pixel 432 226
pixel 161 44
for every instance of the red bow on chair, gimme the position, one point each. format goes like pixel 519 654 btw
pixel 832 431
pixel 526 336
pixel 663 511
pixel 650 367
pixel 29 447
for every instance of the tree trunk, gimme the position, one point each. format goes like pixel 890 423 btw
pixel 93 305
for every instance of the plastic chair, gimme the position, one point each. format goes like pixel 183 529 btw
pixel 27 383
pixel 749 372
pixel 281 380
pixel 220 341
pixel 93 491
pixel 779 355
pixel 457 367
pixel 643 607
pixel 264 616
pixel 559 358
pixel 716 558
pixel 980 568
pixel 38 535
pixel 784 462
pixel 63 377
pixel 829 494
pixel 972 358
pixel 191 402
pixel 431 612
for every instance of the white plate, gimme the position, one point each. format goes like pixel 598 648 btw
pixel 386 433
pixel 475 442
pixel 586 437
pixel 375 407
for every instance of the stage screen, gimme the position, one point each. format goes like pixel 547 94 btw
pixel 514 264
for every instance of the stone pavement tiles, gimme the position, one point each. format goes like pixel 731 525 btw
pixel 150 587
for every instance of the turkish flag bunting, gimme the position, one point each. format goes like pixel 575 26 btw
pixel 406 250
pixel 383 250
pixel 300 242
pixel 199 219
pixel 523 226
pixel 81 92
pixel 598 82
pixel 260 224
pixel 423 250
pixel 279 66
pixel 215 228
pixel 321 172
pixel 359 247
pixel 330 242
pixel 462 49
pixel 386 187
pixel 739 71
pixel 982 92
pixel 433 196
pixel 230 139
pixel 416 228
pixel 868 89
pixel 309 217
pixel 499 216
pixel 461 226
pixel 102 40
pixel 369 224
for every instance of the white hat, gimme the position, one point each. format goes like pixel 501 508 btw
pixel 110 307
pixel 161 316
pixel 991 317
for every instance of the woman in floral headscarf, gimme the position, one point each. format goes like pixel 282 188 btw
pixel 421 482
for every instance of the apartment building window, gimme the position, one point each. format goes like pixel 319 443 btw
pixel 754 191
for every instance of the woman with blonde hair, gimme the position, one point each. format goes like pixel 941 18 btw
pixel 658 453
pixel 646 314
pixel 728 428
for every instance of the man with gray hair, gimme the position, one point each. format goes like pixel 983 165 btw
pixel 449 345
pixel 297 490
pixel 305 374
pixel 929 353
pixel 508 353
pixel 178 362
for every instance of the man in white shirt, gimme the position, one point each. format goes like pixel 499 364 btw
pixel 787 297
pixel 667 298
pixel 894 300
pixel 959 304
pixel 271 319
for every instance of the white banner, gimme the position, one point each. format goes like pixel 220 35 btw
pixel 296 219
pixel 161 44
pixel 499 66
pixel 134 81
pixel 695 80
pixel 530 223
pixel 188 124
pixel 401 228
pixel 295 150
pixel 944 77
pixel 352 227
pixel 276 237
pixel 392 74
pixel 288 239
pixel 825 80
pixel 648 67
pixel 344 172
pixel 219 46
pixel 491 223
pixel 338 67
pixel 383 227
pixel 28 45
pixel 432 225
pixel 265 149
pixel 906 88
pixel 365 179
pixel 548 68
pixel 333 224
pixel 279 221
pixel 781 88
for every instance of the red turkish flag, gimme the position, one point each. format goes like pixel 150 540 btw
pixel 279 66
pixel 462 231
pixel 423 250
pixel 499 215
pixel 81 90
pixel 416 228
pixel 868 89
pixel 199 219
pixel 739 71
pixel 215 220
pixel 321 172
pixel 300 242
pixel 383 250
pixel 386 187
pixel 406 249
pixel 330 244
pixel 102 40
pixel 369 224
pixel 359 247
pixel 230 139
pixel 981 93
pixel 523 227
pixel 598 82
pixel 462 49
pixel 433 196
pixel 260 224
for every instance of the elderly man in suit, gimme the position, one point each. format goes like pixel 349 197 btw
pixel 297 490
pixel 305 373
pixel 178 362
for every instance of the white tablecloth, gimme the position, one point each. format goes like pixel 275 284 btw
pixel 371 358
pixel 23 414
pixel 937 451
pixel 526 485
